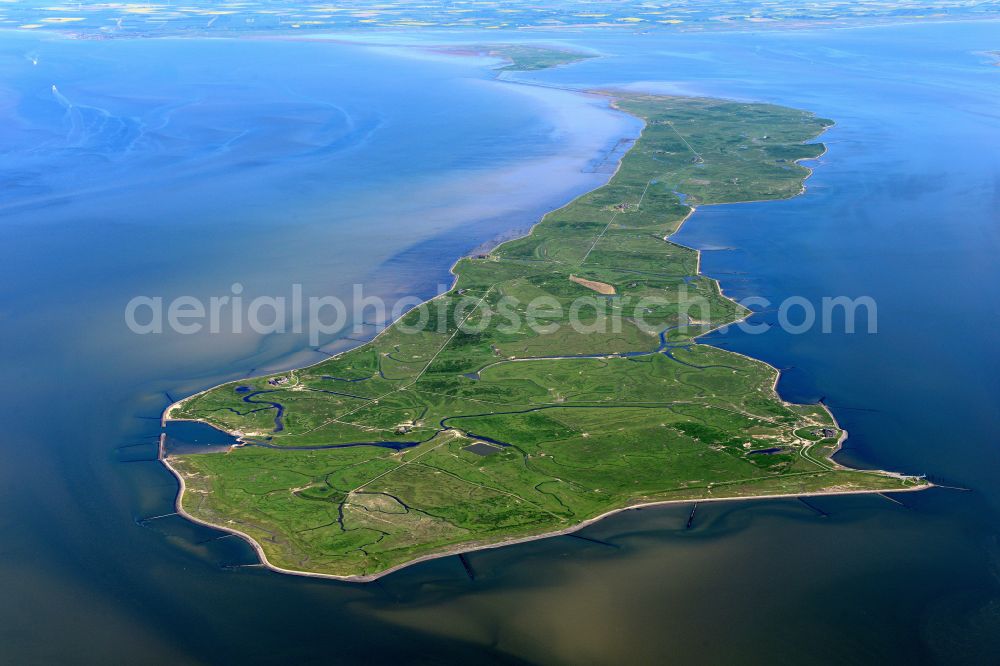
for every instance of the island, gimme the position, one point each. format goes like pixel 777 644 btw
pixel 518 57
pixel 525 58
pixel 452 431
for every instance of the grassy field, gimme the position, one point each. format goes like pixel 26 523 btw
pixel 581 422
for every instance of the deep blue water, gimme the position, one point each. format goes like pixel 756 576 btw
pixel 359 176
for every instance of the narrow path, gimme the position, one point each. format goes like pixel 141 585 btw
pixel 612 220
pixel 689 146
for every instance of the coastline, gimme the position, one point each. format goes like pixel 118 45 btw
pixel 501 77
pixel 471 547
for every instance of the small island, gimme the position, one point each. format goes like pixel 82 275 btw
pixel 524 58
pixel 519 57
pixel 423 444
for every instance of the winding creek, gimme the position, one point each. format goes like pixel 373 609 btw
pixel 664 348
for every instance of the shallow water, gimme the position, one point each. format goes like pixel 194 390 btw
pixel 902 208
